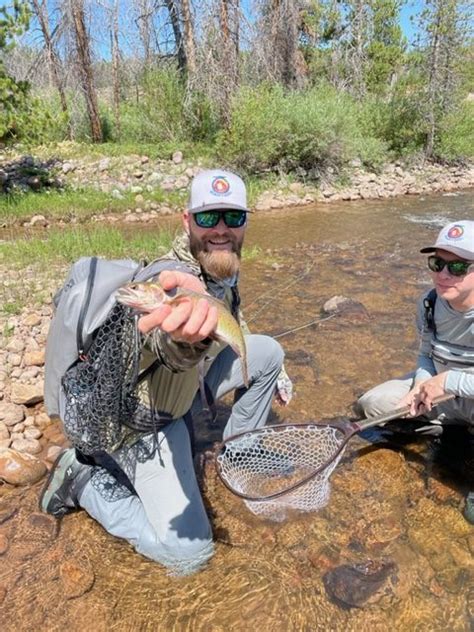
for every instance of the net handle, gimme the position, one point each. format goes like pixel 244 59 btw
pixel 394 414
pixel 348 428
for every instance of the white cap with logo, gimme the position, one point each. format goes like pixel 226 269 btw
pixel 216 189
pixel 458 238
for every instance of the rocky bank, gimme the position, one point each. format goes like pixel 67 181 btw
pixel 145 180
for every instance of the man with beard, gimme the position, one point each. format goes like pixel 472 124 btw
pixel 163 515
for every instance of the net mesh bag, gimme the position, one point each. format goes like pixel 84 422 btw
pixel 260 465
pixel 101 398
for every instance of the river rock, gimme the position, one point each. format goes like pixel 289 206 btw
pixel 32 433
pixel 27 393
pixel 32 320
pixel 4 432
pixel 38 220
pixel 11 414
pixel 20 469
pixel 354 585
pixel 177 157
pixel 34 358
pixel 77 578
pixel 31 446
pixel 53 452
pixel 16 345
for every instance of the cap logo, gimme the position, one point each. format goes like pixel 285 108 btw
pixel 455 232
pixel 220 186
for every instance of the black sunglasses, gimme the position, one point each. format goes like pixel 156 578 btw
pixel 456 268
pixel 210 219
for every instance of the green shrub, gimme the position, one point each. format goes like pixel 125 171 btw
pixel 318 128
pixel 253 140
pixel 456 140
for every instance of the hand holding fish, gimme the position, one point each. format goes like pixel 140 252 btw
pixel 189 321
pixel 179 305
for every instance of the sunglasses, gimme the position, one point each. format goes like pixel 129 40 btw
pixel 456 268
pixel 210 219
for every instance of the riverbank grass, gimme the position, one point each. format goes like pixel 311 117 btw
pixel 80 203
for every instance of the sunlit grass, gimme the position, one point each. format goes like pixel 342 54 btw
pixel 56 204
pixel 67 245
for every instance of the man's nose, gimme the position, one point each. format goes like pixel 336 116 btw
pixel 221 227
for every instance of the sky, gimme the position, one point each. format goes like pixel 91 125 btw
pixel 410 9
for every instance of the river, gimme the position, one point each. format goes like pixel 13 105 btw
pixel 395 501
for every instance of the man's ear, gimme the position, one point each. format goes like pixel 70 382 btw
pixel 186 219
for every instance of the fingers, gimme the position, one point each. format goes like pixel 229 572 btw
pixel 186 322
pixel 169 279
pixel 154 319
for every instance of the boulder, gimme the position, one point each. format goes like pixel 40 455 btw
pixel 20 469
pixel 27 393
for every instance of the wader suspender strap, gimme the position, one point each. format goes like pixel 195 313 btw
pixel 429 304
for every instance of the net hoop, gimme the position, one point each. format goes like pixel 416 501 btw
pixel 344 430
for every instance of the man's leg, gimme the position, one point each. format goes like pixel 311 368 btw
pixel 166 520
pixel 385 397
pixel 252 405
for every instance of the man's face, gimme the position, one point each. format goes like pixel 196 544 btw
pixel 217 249
pixel 458 291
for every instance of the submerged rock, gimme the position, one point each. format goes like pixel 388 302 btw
pixel 353 585
pixel 20 469
pixel 77 578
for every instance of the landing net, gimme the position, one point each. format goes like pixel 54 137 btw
pixel 269 468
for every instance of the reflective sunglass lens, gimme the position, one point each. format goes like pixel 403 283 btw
pixel 455 268
pixel 207 219
pixel 458 268
pixel 235 219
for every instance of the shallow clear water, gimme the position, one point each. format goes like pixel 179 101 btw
pixel 393 500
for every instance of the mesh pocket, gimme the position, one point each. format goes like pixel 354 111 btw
pixel 100 391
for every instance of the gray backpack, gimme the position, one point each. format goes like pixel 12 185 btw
pixel 81 306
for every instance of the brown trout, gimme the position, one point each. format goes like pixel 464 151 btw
pixel 145 297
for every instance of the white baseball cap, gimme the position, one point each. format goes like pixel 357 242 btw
pixel 217 189
pixel 458 238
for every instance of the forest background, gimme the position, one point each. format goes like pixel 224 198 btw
pixel 294 86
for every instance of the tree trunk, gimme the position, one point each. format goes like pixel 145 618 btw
pixel 115 67
pixel 189 43
pixel 85 67
pixel 433 85
pixel 178 36
pixel 41 11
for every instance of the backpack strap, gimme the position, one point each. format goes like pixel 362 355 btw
pixel 429 304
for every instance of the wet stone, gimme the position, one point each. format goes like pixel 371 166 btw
pixel 32 446
pixel 44 527
pixel 353 585
pixel 77 578
pixel 20 469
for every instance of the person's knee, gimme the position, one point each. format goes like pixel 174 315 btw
pixel 268 350
pixel 372 403
pixel 185 559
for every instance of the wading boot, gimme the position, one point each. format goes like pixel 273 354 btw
pixel 64 485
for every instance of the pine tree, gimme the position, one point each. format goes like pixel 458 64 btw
pixel 13 94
